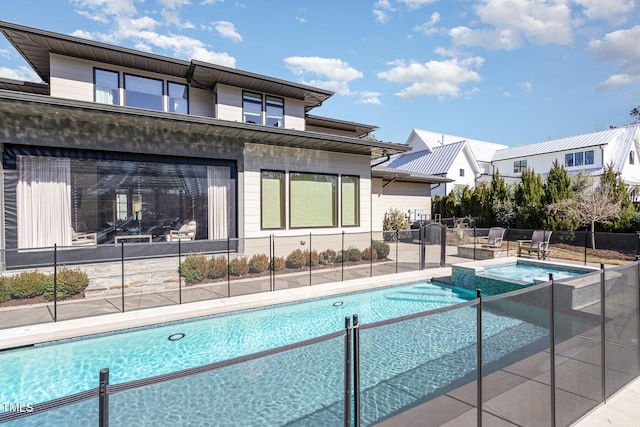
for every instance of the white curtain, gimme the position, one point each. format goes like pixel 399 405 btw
pixel 219 192
pixel 44 201
pixel 104 94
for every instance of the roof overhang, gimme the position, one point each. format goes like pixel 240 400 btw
pixel 21 86
pixel 407 176
pixel 90 112
pixel 358 129
pixel 35 45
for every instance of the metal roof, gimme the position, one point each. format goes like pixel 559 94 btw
pixel 35 45
pixel 358 129
pixel 563 144
pixel 90 112
pixel 20 86
pixel 406 176
pixel 435 162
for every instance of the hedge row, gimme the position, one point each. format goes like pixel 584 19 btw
pixel 197 267
pixel 30 284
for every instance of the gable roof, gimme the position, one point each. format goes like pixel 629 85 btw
pixel 406 176
pixel 594 139
pixel 35 45
pixel 482 150
pixel 427 162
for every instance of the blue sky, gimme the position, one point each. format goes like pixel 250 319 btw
pixel 505 71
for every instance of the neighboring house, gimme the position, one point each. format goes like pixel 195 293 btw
pixel 589 153
pixel 461 161
pixel 117 142
pixel 406 191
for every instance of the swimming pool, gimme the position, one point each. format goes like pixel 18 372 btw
pixel 528 272
pixel 449 345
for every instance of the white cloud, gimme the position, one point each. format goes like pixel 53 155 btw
pixel 610 10
pixel 145 32
pixel 367 97
pixel 438 78
pixel 428 27
pixel 211 2
pixel 381 9
pixel 227 30
pixel 334 73
pixel 506 93
pixel 512 21
pixel 5 53
pixel 22 73
pixel 622 47
pixel 415 4
pixel 380 16
pixel 527 86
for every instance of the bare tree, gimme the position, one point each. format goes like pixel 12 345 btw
pixel 590 207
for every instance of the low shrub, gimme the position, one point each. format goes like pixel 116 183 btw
pixel 258 263
pixel 217 267
pixel 27 284
pixel 327 257
pixel 352 254
pixel 278 264
pixel 69 282
pixel 382 249
pixel 5 295
pixel 238 266
pixel 312 260
pixel 194 268
pixel 296 259
pixel 369 254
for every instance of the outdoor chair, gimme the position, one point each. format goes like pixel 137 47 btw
pixel 82 238
pixel 494 239
pixel 185 232
pixel 539 244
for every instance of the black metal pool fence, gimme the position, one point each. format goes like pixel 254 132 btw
pixel 413 370
pixel 132 276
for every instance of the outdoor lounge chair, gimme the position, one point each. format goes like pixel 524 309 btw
pixel 81 237
pixel 185 232
pixel 494 239
pixel 539 244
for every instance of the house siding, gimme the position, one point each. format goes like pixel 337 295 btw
pixel 404 196
pixel 542 163
pixel 71 78
pixel 259 157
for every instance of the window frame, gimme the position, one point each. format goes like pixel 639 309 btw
pixel 266 109
pixel 126 91
pixel 254 102
pixel 589 155
pixel 282 199
pixel 335 200
pixel 632 157
pixel 186 86
pixel 357 201
pixel 119 85
pixel 578 158
pixel 519 166
pixel 568 156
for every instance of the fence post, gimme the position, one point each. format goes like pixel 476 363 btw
pixel 479 357
pixel 552 349
pixel 103 398
pixel 347 372
pixel 356 371
pixel 342 259
pixel 228 268
pixel 508 237
pixel 274 262
pixel 586 243
pixel 474 242
pixel 271 263
pixel 310 261
pixel 179 270
pixel 55 282
pixel 603 352
pixel 638 243
pixel 122 273
pixel 443 246
pixel 397 236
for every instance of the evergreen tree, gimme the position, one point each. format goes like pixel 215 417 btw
pixel 466 202
pixel 558 187
pixel 619 193
pixel 529 200
pixel 451 205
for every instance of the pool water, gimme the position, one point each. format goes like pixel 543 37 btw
pixel 433 352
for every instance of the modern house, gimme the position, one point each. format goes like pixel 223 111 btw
pixel 589 153
pixel 461 161
pixel 119 144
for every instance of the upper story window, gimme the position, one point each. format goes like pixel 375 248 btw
pixel 588 157
pixel 461 172
pixel 631 157
pixel 275 111
pixel 106 86
pixel 579 158
pixel 519 166
pixel 252 107
pixel 143 92
pixel 568 160
pixel 178 98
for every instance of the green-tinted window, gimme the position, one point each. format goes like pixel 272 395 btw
pixel 350 201
pixel 313 200
pixel 272 199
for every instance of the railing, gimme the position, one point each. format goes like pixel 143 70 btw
pixel 528 357
pixel 142 275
